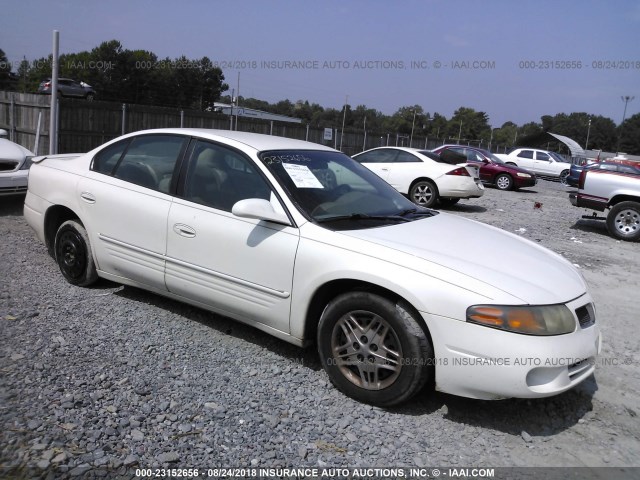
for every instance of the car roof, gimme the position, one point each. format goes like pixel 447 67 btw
pixel 258 141
pixel 393 147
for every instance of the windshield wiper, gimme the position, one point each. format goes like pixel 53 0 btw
pixel 363 216
pixel 415 211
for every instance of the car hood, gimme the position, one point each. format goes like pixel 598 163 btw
pixel 12 151
pixel 487 254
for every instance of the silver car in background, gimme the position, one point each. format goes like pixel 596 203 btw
pixel 15 161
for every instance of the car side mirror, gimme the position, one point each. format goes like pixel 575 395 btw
pixel 259 209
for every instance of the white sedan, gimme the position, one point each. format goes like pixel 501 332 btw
pixel 421 176
pixel 541 162
pixel 304 243
pixel 15 161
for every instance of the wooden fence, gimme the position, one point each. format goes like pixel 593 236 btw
pixel 85 125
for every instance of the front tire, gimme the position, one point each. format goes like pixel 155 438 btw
pixel 424 193
pixel 504 182
pixel 73 254
pixel 374 350
pixel 623 221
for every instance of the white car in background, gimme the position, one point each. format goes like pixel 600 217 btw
pixel 421 175
pixel 15 161
pixel 541 162
pixel 302 242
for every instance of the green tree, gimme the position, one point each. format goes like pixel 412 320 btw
pixel 630 135
pixel 7 80
pixel 468 125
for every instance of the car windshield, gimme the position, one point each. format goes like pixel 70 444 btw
pixel 493 158
pixel 334 190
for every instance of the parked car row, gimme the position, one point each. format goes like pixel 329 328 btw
pixel 422 175
pixel 306 244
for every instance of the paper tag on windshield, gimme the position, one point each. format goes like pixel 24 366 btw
pixel 301 175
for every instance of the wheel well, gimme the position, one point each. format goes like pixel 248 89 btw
pixel 329 291
pixel 623 198
pixel 422 179
pixel 55 217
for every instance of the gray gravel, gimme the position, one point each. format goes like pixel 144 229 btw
pixel 97 381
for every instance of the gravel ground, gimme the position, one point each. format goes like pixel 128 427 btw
pixel 97 381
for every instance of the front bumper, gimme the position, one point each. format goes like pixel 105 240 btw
pixel 522 182
pixel 14 182
pixel 479 362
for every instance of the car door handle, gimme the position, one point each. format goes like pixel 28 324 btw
pixel 184 230
pixel 384 169
pixel 88 197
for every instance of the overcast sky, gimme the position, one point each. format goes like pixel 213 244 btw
pixel 513 60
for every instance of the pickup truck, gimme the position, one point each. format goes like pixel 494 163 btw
pixel 541 162
pixel 617 191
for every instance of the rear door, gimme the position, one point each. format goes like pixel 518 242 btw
pixel 125 202
pixel 543 164
pixel 526 159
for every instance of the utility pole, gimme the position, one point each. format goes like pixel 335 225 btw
pixel 626 99
pixel 53 110
pixel 413 124
pixel 344 117
pixel 586 144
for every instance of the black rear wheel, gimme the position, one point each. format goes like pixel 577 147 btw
pixel 73 254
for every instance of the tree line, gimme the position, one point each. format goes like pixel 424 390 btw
pixel 141 77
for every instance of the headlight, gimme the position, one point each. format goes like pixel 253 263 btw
pixel 540 320
pixel 524 175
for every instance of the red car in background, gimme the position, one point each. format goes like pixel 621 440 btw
pixel 492 170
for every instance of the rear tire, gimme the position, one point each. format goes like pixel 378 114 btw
pixel 623 221
pixel 73 254
pixel 563 177
pixel 374 350
pixel 424 193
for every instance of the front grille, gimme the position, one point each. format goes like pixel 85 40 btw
pixel 586 315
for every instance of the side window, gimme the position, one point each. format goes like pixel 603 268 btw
pixel 526 154
pixel 609 166
pixel 106 159
pixel 219 177
pixel 542 156
pixel 150 161
pixel 406 157
pixel 377 156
